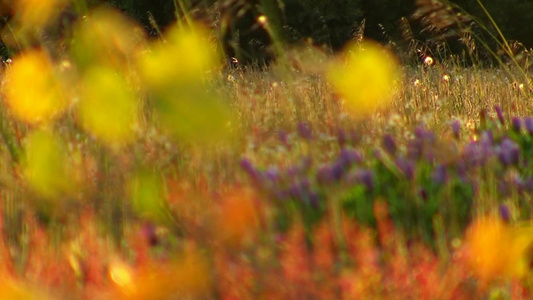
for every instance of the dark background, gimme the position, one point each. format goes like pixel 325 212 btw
pixel 333 23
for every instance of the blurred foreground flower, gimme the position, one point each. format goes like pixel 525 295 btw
pixel 188 277
pixel 237 220
pixel 106 37
pixel 108 107
pixel 46 166
pixel 496 249
pixel 365 77
pixel 33 14
pixel 177 73
pixel 32 92
pixel 187 57
pixel 9 289
pixel 147 196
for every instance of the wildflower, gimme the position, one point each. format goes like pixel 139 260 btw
pixel 446 78
pixel 237 220
pixel 428 61
pixel 176 73
pixel 147 196
pixel 456 129
pixel 496 249
pixel 46 167
pixel 108 108
pixel 365 77
pixel 505 213
pixel 366 177
pixel 406 167
pixel 509 152
pixel 182 63
pixel 499 113
pixel 106 37
pixel 32 91
pixel 304 131
pixel 417 82
pixel 516 124
pixel 529 125
pixel 440 175
pixel 187 276
pixel 37 13
pixel 389 144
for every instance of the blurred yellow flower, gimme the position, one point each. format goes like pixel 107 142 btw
pixel 32 92
pixel 176 73
pixel 46 166
pixel 106 37
pixel 147 196
pixel 37 13
pixel 365 77
pixel 108 108
pixel 184 59
pixel 497 249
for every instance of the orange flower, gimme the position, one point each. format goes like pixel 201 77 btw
pixel 237 220
pixel 496 249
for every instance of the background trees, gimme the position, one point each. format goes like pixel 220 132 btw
pixel 326 23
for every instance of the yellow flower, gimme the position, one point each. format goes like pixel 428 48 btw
pixel 497 249
pixel 147 196
pixel 46 166
pixel 365 77
pixel 106 37
pixel 108 107
pixel 37 13
pixel 176 74
pixel 185 58
pixel 31 90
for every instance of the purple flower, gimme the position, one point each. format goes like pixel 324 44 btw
pixel 348 157
pixel 476 153
pixel 516 124
pixel 365 177
pixel 314 199
pixel 324 175
pixel 249 168
pixel 499 113
pixel 509 152
pixel 529 125
pixel 407 167
pixel 456 129
pixel 284 138
pixel 415 148
pixel 272 174
pixel 304 131
pixel 505 213
pixel 148 230
pixel 338 169
pixel 389 144
pixel 440 175
pixel 527 185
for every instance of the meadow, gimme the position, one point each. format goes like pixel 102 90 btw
pixel 136 168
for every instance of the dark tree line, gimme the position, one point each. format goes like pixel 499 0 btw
pixel 333 23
